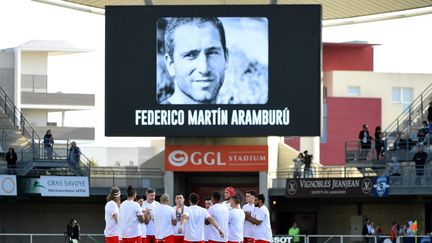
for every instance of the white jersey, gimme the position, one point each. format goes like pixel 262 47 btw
pixel 151 206
pixel 220 213
pixel 263 230
pixel 194 226
pixel 143 227
pixel 111 225
pixel 179 213
pixel 130 226
pixel 235 225
pixel 207 229
pixel 227 204
pixel 163 216
pixel 248 226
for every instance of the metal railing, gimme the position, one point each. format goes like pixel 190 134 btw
pixel 35 150
pixel 100 238
pixel 412 113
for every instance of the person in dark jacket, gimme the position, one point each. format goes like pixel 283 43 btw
pixel 365 140
pixel 420 160
pixel 11 158
pixel 73 231
pixel 48 141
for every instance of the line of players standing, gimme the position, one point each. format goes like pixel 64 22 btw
pixel 136 220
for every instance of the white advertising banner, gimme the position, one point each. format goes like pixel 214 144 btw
pixel 64 186
pixel 8 185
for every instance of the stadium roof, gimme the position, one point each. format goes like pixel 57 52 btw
pixel 332 9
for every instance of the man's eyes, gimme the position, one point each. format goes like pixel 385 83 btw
pixel 194 54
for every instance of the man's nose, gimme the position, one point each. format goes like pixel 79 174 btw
pixel 202 63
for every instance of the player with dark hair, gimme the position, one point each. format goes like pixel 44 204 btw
pixel 131 216
pixel 236 220
pixel 261 220
pixel 192 221
pixel 150 205
pixel 249 207
pixel 220 213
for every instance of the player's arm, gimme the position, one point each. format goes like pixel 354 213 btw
pixel 250 218
pixel 183 220
pixel 146 216
pixel 213 222
pixel 173 218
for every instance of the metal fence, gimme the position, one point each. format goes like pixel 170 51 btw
pixel 99 238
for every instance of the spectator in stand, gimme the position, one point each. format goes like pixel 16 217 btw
pixel 11 158
pixel 294 231
pixel 423 131
pixel 307 160
pixel 298 162
pixel 394 231
pixel 379 143
pixel 74 154
pixel 420 160
pixel 366 230
pixel 394 166
pixel 73 231
pixel 365 142
pixel 48 141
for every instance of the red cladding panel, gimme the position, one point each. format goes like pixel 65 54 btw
pixel 347 57
pixel 345 119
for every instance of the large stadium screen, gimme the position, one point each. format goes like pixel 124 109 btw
pixel 213 70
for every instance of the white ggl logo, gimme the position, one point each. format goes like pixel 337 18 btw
pixel 178 158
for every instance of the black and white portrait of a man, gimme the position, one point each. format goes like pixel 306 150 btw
pixel 210 60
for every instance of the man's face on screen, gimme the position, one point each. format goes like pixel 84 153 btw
pixel 198 62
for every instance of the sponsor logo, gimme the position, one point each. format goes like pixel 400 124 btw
pixel 8 185
pixel 367 186
pixel 178 158
pixel 292 187
pixel 381 186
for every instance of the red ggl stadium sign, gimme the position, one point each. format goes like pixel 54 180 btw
pixel 216 158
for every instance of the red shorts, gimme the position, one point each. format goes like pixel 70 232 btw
pixel 112 239
pixel 178 238
pixel 132 240
pixel 168 239
pixel 261 241
pixel 234 241
pixel 150 239
pixel 186 241
pixel 212 241
pixel 248 240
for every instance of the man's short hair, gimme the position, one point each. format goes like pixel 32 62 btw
pixel 178 194
pixel 150 190
pixel 251 192
pixel 139 197
pixel 131 191
pixel 235 199
pixel 261 197
pixel 207 199
pixel 177 22
pixel 164 198
pixel 193 198
pixel 216 196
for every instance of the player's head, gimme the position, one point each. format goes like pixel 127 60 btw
pixel 164 199
pixel 140 200
pixel 114 195
pixel 131 193
pixel 150 195
pixel 196 56
pixel 193 198
pixel 229 192
pixel 216 197
pixel 208 203
pixel 260 200
pixel 179 199
pixel 250 196
pixel 235 201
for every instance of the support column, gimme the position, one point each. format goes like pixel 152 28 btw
pixel 263 185
pixel 168 180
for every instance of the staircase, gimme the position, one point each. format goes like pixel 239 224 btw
pixel 16 132
pixel 405 126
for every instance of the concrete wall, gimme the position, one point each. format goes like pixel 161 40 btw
pixel 36 117
pixel 7 71
pixel 33 62
pixel 377 85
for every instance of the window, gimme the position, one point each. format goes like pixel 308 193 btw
pixel 403 96
pixel 353 90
